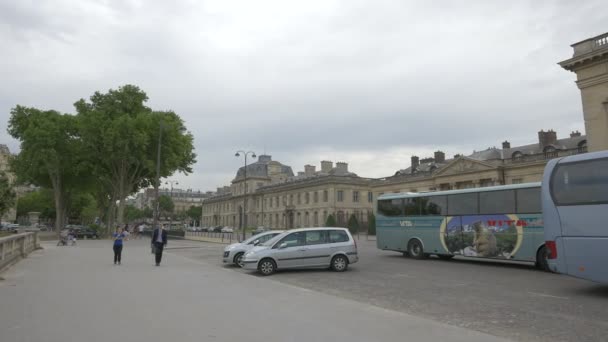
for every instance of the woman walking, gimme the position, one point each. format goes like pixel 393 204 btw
pixel 118 237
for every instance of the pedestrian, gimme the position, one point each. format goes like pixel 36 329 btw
pixel 159 241
pixel 141 230
pixel 118 237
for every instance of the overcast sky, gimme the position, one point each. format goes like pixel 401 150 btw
pixel 370 83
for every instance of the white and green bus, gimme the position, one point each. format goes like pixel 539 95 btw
pixel 498 222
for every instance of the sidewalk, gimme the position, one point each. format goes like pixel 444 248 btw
pixel 67 294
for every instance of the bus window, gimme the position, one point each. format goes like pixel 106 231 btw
pixel 433 205
pixel 392 207
pixel 580 183
pixel 497 202
pixel 412 206
pixel 528 201
pixel 463 204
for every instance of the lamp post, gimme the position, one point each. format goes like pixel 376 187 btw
pixel 156 205
pixel 244 217
pixel 171 197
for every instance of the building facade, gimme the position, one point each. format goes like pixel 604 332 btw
pixel 590 63
pixel 182 199
pixel 308 198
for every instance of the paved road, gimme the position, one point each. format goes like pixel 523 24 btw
pixel 66 294
pixel 513 301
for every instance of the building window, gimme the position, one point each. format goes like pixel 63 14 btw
pixel 306 219
pixel 316 197
pixel 276 201
pixel 485 182
pixel 370 196
pixel 550 152
pixel 316 218
pixel 517 156
pixel 325 196
pixel 299 198
pixel 291 199
pixel 355 196
pixel 582 146
pixel 340 196
pixel 517 181
pixel 307 198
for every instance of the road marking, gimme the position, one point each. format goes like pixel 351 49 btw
pixel 547 295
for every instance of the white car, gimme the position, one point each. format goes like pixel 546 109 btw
pixel 234 253
pixel 227 230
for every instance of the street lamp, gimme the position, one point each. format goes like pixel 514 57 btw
pixel 243 221
pixel 156 206
pixel 171 197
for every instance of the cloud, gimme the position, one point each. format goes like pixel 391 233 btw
pixel 369 84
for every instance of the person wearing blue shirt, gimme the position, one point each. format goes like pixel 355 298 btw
pixel 118 237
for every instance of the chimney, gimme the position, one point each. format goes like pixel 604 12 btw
pixel 506 145
pixel 415 163
pixel 309 170
pixel 264 158
pixel 547 138
pixel 342 167
pixel 575 134
pixel 439 157
pixel 326 166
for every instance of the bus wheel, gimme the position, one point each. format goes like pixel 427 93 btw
pixel 415 250
pixel 541 259
pixel 445 256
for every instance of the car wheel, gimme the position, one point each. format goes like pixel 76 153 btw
pixel 238 259
pixel 415 250
pixel 445 256
pixel 339 263
pixel 541 259
pixel 267 267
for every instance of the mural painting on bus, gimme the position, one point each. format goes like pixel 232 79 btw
pixel 486 236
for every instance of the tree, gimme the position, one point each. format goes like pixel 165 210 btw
pixel 39 201
pixel 371 219
pixel 133 213
pixel 166 205
pixel 148 213
pixel 51 154
pixel 195 212
pixel 353 224
pixel 118 126
pixel 331 221
pixel 7 194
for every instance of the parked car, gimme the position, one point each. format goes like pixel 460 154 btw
pixel 217 229
pixel 234 253
pixel 227 230
pixel 86 233
pixel 304 248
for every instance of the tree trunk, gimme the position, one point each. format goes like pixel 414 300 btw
pixel 59 210
pixel 121 211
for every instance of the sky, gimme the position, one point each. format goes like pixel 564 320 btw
pixel 370 83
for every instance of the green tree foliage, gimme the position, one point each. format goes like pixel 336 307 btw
pixel 331 221
pixel 166 205
pixel 353 224
pixel 51 154
pixel 7 194
pixel 195 212
pixel 133 213
pixel 148 212
pixel 39 201
pixel 371 219
pixel 120 127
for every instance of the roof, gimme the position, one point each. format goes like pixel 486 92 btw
pixel 560 144
pixel 260 168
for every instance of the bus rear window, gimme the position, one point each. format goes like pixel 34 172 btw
pixel 392 207
pixel 580 183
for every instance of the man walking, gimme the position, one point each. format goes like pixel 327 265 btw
pixel 159 241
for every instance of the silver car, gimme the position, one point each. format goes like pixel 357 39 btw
pixel 304 248
pixel 234 253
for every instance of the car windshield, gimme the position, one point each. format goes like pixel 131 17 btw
pixel 273 240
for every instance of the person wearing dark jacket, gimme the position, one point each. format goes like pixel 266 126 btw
pixel 159 241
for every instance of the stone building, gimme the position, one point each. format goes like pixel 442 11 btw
pixel 590 63
pixel 182 199
pixel 5 154
pixel 273 196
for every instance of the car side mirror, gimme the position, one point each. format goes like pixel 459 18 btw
pixel 283 245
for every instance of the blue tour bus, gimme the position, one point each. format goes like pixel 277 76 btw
pixel 575 211
pixel 497 222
